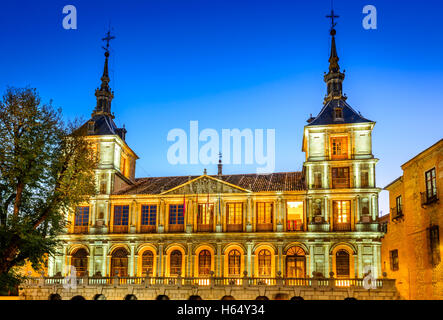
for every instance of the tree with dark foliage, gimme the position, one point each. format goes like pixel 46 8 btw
pixel 46 170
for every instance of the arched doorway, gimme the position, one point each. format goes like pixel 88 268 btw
pixel 147 263
pixel 204 263
pixel 295 263
pixel 234 263
pixel 80 261
pixel 342 265
pixel 175 263
pixel 119 263
pixel 264 263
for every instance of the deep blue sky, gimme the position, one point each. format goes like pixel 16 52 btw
pixel 234 64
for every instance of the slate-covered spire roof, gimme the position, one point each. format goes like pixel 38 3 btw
pixel 335 110
pixel 101 122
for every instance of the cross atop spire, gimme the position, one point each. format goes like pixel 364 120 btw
pixel 332 16
pixel 107 39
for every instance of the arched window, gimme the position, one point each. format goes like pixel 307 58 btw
pixel 264 263
pixel 234 264
pixel 204 262
pixel 119 263
pixel 175 263
pixel 147 263
pixel 80 261
pixel 342 263
pixel 295 263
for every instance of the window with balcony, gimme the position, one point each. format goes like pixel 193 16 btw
pixel 204 263
pixel 398 206
pixel 119 263
pixel 339 148
pixel 393 257
pixel 434 245
pixel 175 263
pixel 81 220
pixel 340 178
pixel 294 216
pixel 121 219
pixel 148 218
pixel 342 215
pixel 296 263
pixel 431 186
pixel 176 218
pixel 80 261
pixel 342 264
pixel 264 216
pixel 147 263
pixel 264 263
pixel 234 263
pixel 205 217
pixel 234 217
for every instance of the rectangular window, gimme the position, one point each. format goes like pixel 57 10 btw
pixel 121 219
pixel 431 185
pixel 176 217
pixel 264 216
pixel 364 179
pixel 205 216
pixel 339 148
pixel 340 178
pixel 393 255
pixel 149 215
pixel 398 207
pixel 81 220
pixel 317 180
pixel 342 215
pixel 234 216
pixel 294 218
pixel 434 242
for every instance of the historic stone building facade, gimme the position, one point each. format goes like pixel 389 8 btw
pixel 297 226
pixel 411 246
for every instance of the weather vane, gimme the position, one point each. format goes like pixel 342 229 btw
pixel 107 39
pixel 332 16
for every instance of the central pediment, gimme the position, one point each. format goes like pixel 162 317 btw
pixel 205 184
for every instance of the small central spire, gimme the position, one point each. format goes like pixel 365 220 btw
pixel 104 94
pixel 334 78
pixel 220 164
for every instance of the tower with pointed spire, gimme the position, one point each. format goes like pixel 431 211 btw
pixel 116 160
pixel 340 168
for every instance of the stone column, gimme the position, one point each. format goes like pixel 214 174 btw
pixel 325 210
pixel 91 260
pixel 374 207
pixel 64 264
pixel 375 261
pixel 107 217
pixel 218 260
pixel 327 267
pixel 357 208
pixel 131 259
pixel 311 260
pixel 360 260
pixel 372 175
pixel 51 268
pixel 249 212
pixel 309 209
pixel 357 182
pixel 325 176
pixel 249 265
pixel 190 264
pixel 133 220
pixel 160 260
pixel 279 263
pixel 93 216
pixel 161 218
pixel 355 266
pixel 105 260
pixel 310 182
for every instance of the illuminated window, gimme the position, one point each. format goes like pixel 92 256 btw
pixel 364 176
pixel 204 263
pixel 175 263
pixel 393 255
pixel 234 212
pixel 365 206
pixel 205 213
pixel 103 183
pixel 295 263
pixel 264 263
pixel 342 215
pixel 149 214
pixel 119 263
pixel 234 263
pixel 398 206
pixel 340 178
pixel 431 184
pixel 123 169
pixel 294 217
pixel 80 261
pixel 339 148
pixel 342 263
pixel 147 263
